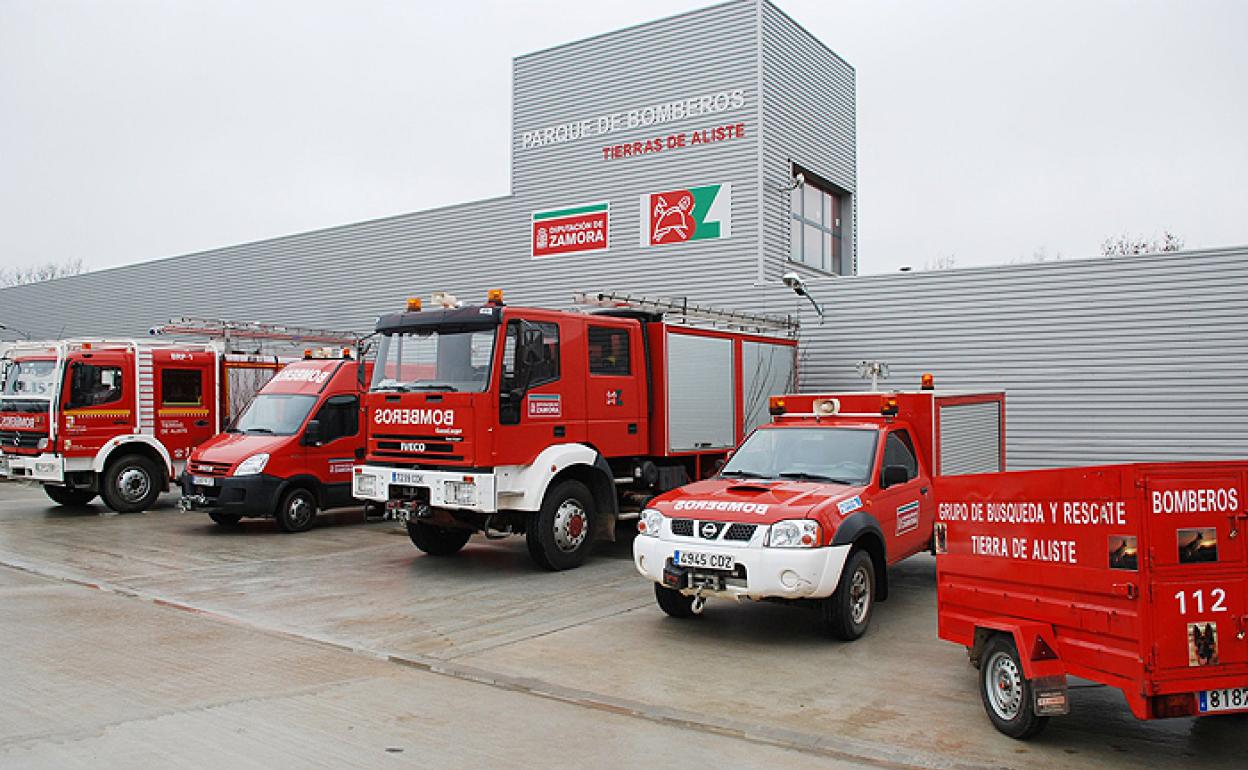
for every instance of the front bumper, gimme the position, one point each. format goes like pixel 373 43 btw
pixel 381 484
pixel 44 467
pixel 785 573
pixel 236 495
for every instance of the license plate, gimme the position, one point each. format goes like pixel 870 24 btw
pixel 703 560
pixel 407 478
pixel 1230 699
pixel 203 481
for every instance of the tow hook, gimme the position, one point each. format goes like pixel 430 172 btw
pixel 405 511
pixel 699 603
pixel 191 502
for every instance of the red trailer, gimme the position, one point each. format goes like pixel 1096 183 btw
pixel 1134 576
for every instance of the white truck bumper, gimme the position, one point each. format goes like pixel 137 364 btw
pixel 44 467
pixel 788 573
pixel 447 489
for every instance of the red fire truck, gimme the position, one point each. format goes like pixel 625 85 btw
pixel 1134 576
pixel 118 418
pixel 550 423
pixel 290 453
pixel 814 507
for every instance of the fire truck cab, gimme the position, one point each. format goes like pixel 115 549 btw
pixel 814 507
pixel 502 419
pixel 290 453
pixel 113 418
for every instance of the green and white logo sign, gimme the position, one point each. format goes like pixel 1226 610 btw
pixel 690 214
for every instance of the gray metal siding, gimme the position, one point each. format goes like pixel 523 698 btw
pixel 809 119
pixel 684 56
pixel 1102 360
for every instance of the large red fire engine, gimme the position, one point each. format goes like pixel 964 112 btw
pixel 1134 576
pixel 118 418
pixel 815 506
pixel 552 423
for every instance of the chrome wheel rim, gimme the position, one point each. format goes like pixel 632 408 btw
pixel 859 596
pixel 1004 684
pixel 133 484
pixel 571 525
pixel 299 512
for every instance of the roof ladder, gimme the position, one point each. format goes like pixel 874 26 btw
pixel 683 308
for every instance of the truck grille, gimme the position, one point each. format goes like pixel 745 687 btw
pixel 739 532
pixel 13 439
pixel 433 448
pixel 201 468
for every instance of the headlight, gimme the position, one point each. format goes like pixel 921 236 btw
pixel 252 465
pixel 650 523
pixel 365 484
pixel 794 533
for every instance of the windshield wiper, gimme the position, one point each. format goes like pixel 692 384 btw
pixel 814 477
pixel 397 387
pixel 260 430
pixel 434 386
pixel 232 429
pixel 744 474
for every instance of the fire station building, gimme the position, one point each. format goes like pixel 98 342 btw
pixel 704 156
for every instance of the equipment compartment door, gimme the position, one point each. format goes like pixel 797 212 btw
pixel 1196 532
pixel 613 397
pixel 186 404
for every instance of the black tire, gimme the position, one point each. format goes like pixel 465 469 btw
pixel 1006 692
pixel 225 519
pixel 297 512
pixel 847 612
pixel 673 602
pixel 67 496
pixel 437 541
pixel 131 484
pixel 560 535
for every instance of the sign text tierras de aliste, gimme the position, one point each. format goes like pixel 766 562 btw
pixel 651 115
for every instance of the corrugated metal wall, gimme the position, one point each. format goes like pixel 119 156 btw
pixel 810 111
pixel 1102 360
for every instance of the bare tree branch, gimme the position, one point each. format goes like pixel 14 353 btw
pixel 1126 245
pixel 17 276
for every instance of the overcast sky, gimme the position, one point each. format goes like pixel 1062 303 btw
pixel 987 130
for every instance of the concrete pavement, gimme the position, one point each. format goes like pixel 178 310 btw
pixel 208 646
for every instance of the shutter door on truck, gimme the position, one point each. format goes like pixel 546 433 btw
pixel 700 388
pixel 766 371
pixel 1195 549
pixel 970 438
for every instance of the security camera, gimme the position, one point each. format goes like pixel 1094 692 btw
pixel 794 282
pixel 799 180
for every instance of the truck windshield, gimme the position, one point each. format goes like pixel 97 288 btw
pixel 279 414
pixel 838 455
pixel 32 378
pixel 432 360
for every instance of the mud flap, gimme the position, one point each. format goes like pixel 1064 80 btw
pixel 1051 698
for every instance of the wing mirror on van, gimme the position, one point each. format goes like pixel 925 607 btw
pixel 312 433
pixel 894 475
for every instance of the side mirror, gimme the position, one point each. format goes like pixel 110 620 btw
pixel 894 475
pixel 312 433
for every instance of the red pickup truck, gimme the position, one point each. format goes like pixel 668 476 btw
pixel 814 507
pixel 1133 576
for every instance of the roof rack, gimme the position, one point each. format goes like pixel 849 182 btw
pixel 250 330
pixel 682 308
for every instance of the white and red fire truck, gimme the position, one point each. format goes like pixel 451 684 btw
pixel 549 423
pixel 814 507
pixel 119 418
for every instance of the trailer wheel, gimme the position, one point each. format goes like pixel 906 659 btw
pixel 68 496
pixel 297 513
pixel 847 612
pixel 437 541
pixel 225 519
pixel 560 535
pixel 675 603
pixel 131 484
pixel 1006 692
